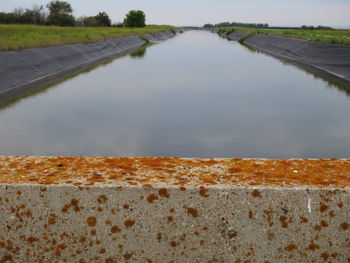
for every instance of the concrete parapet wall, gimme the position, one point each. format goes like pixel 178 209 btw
pixel 57 209
pixel 22 70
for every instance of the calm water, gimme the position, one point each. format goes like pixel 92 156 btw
pixel 196 95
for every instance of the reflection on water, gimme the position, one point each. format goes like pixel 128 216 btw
pixel 331 80
pixel 140 53
pixel 195 95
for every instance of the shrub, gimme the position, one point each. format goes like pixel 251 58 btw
pixel 90 21
pixel 103 19
pixel 61 20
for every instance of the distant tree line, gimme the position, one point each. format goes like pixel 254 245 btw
pixel 237 24
pixel 304 27
pixel 60 13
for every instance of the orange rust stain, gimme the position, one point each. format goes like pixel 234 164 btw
pixel 290 247
pixel 129 223
pixel 283 220
pixel 256 193
pixel 102 199
pixel 174 244
pixel 269 217
pixel 317 227
pixel 159 236
pixel 74 204
pixel 192 211
pixel 324 223
pixel 233 170
pixel 325 256
pixel 304 219
pixel 6 258
pixel 91 221
pixel 344 226
pixel 322 173
pixel 323 208
pixel 250 214
pixel 313 247
pixel 170 218
pixel 52 219
pixel 115 229
pixel 127 256
pixel 126 206
pixel 203 191
pixel 32 239
pixel 151 198
pixel 163 192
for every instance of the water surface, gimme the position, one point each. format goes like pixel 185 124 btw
pixel 196 95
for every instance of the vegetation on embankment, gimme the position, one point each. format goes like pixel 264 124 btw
pixel 14 37
pixel 331 36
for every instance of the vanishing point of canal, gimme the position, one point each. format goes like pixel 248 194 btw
pixel 196 95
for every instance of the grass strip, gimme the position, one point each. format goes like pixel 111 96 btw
pixel 13 37
pixel 330 36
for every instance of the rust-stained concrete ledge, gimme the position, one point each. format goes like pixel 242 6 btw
pixel 91 209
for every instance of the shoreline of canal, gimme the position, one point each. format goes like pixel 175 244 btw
pixel 333 59
pixel 24 71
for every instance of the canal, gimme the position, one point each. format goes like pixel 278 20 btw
pixel 196 95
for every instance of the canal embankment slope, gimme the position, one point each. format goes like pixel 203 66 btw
pixel 330 58
pixel 21 71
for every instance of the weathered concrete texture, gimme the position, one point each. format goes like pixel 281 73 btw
pixel 78 209
pixel 25 69
pixel 237 35
pixel 331 58
pixel 160 36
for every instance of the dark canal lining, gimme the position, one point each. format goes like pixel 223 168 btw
pixel 195 95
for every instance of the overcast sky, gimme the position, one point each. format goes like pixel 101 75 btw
pixel 199 12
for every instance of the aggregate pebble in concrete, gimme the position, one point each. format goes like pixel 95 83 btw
pixel 88 209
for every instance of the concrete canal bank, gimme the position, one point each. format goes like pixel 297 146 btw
pixel 330 58
pixel 81 209
pixel 24 70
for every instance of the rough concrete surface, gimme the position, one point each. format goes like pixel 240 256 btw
pixel 160 36
pixel 331 58
pixel 236 35
pixel 28 69
pixel 86 209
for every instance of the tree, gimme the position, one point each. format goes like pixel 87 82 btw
pixel 90 21
pixel 60 13
pixel 135 18
pixel 208 25
pixel 7 18
pixel 35 15
pixel 103 19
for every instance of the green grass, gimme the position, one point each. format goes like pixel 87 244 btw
pixel 330 36
pixel 14 37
